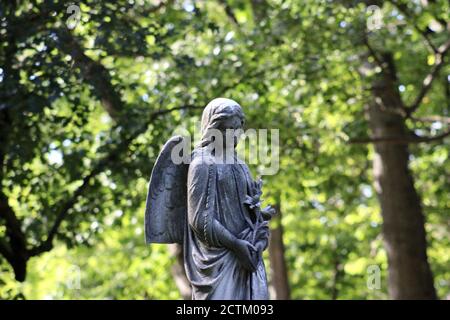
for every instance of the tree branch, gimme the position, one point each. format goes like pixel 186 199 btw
pixel 94 73
pixel 372 52
pixel 13 225
pixel 15 252
pixel 5 251
pixel 229 12
pixel 400 140
pixel 404 9
pixel 431 76
pixel 337 274
pixel 431 119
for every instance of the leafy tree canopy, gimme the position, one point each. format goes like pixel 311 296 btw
pixel 84 112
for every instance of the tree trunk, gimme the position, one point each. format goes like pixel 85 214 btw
pixel 278 268
pixel 410 276
pixel 337 275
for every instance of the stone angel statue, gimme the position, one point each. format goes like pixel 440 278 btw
pixel 212 208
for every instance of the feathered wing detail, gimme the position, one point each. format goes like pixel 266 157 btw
pixel 166 207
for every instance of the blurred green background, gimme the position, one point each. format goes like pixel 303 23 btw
pixel 90 91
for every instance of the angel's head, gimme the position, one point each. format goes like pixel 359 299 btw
pixel 222 118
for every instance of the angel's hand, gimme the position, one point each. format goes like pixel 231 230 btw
pixel 246 254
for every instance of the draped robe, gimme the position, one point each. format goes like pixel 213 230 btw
pixel 216 194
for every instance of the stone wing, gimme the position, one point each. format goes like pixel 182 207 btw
pixel 166 207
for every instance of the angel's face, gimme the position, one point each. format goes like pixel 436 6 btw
pixel 233 125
